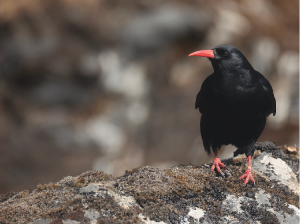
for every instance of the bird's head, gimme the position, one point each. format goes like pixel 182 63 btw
pixel 225 57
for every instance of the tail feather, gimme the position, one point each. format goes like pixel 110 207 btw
pixel 205 134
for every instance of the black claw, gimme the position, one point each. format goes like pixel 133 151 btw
pixel 221 174
pixel 254 184
pixel 227 168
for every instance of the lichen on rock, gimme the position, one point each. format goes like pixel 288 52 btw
pixel 179 194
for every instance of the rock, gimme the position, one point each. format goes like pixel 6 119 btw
pixel 291 149
pixel 229 24
pixel 288 70
pixel 163 26
pixel 43 221
pixel 61 93
pixel 264 54
pixel 180 194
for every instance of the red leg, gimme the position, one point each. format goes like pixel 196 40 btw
pixel 248 174
pixel 217 164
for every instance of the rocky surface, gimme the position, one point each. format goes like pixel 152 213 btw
pixel 180 194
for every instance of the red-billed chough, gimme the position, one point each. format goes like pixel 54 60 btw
pixel 234 102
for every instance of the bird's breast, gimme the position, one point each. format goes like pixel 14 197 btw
pixel 237 92
pixel 237 100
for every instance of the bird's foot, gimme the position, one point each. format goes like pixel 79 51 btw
pixel 217 164
pixel 248 175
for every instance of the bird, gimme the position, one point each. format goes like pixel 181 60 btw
pixel 234 102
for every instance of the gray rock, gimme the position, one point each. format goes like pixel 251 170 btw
pixel 69 221
pixel 41 221
pixel 180 194
pixel 160 27
pixel 60 93
pixel 92 215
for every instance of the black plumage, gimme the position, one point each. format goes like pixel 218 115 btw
pixel 234 102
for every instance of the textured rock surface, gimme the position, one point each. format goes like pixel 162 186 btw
pixel 180 194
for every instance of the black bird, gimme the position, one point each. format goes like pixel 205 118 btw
pixel 234 102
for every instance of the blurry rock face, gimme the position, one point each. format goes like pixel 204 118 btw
pixel 159 29
pixel 108 84
pixel 180 194
pixel 288 72
pixel 230 24
pixel 264 55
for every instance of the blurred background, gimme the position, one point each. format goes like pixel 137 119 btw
pixel 107 84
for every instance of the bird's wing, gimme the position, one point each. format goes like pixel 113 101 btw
pixel 204 93
pixel 271 107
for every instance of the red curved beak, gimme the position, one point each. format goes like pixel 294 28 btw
pixel 203 53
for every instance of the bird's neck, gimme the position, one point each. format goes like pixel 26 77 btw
pixel 234 67
pixel 232 70
pixel 230 79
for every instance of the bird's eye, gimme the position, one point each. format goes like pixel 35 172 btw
pixel 225 53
